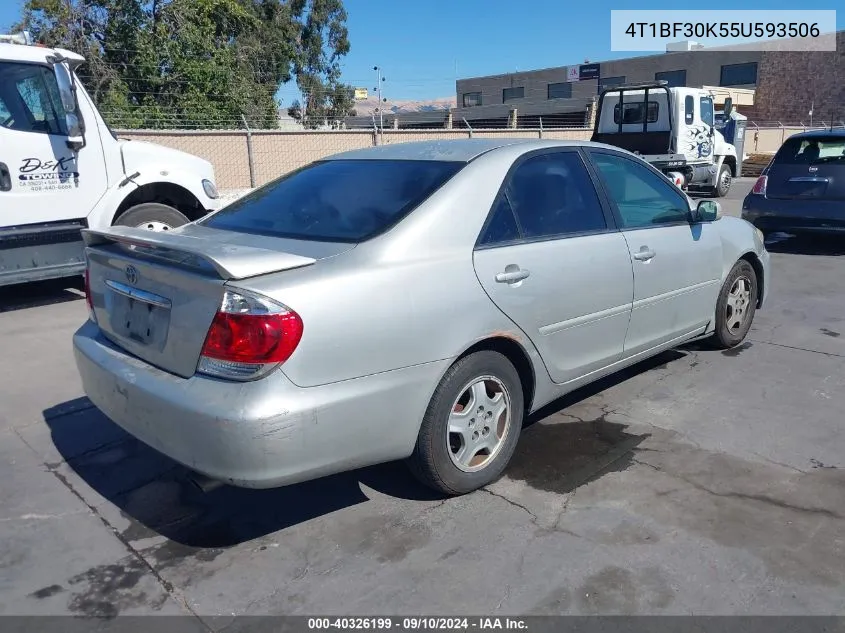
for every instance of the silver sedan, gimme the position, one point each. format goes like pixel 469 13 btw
pixel 412 301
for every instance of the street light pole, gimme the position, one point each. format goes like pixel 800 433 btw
pixel 380 79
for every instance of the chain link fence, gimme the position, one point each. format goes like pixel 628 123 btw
pixel 245 159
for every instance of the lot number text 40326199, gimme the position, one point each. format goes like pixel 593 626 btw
pixel 418 623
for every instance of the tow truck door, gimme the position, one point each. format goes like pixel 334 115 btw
pixel 41 179
pixel 695 126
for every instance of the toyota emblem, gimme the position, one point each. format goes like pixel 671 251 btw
pixel 131 274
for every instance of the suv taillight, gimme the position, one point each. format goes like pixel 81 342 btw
pixel 249 337
pixel 760 186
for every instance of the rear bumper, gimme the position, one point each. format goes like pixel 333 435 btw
pixel 258 434
pixel 766 263
pixel 794 216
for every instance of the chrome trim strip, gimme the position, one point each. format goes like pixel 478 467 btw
pixel 140 295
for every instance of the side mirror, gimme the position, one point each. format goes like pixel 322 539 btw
pixel 729 102
pixel 67 93
pixel 707 211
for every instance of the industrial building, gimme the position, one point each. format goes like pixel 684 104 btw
pixel 768 86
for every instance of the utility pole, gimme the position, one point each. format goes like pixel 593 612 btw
pixel 379 80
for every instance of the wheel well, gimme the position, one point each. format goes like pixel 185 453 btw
pixel 515 353
pixel 165 193
pixel 752 259
pixel 730 161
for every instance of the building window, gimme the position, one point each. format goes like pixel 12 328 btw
pixel 610 82
pixel 472 99
pixel 739 74
pixel 560 91
pixel 675 78
pixel 689 109
pixel 509 94
pixel 633 112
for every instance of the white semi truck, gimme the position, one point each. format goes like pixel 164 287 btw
pixel 674 129
pixel 62 169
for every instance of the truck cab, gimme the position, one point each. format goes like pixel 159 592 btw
pixel 62 168
pixel 672 128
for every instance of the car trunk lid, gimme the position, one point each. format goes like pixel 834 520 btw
pixel 822 181
pixel 155 294
pixel 808 168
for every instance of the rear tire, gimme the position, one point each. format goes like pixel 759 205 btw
pixel 152 216
pixel 472 425
pixel 723 182
pixel 736 306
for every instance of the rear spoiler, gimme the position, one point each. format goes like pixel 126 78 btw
pixel 229 261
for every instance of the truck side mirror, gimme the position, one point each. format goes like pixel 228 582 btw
pixel 729 102
pixel 67 93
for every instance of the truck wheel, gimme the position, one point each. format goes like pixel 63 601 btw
pixel 471 427
pixel 736 306
pixel 723 183
pixel 152 216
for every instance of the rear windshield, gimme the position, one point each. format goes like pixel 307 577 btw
pixel 812 151
pixel 336 200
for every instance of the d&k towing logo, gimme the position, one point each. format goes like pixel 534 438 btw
pixel 34 171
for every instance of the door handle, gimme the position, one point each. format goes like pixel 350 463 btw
pixel 645 254
pixel 5 178
pixel 512 276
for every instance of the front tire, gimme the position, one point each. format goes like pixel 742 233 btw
pixel 723 182
pixel 472 425
pixel 152 216
pixel 736 306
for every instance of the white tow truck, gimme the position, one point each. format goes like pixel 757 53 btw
pixel 62 169
pixel 674 129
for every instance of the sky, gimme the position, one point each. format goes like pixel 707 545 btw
pixel 423 46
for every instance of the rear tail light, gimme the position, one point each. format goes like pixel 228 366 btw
pixel 249 337
pixel 760 186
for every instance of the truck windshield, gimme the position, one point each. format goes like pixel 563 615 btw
pixel 336 200
pixel 707 110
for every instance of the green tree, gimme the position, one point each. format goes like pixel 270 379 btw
pixel 199 63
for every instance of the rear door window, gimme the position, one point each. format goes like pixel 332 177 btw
pixel 552 195
pixel 336 200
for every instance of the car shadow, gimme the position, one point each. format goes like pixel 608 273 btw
pixel 158 496
pixel 41 293
pixel 828 245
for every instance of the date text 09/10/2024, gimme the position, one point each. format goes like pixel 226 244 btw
pixel 417 623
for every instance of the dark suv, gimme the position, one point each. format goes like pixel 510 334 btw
pixel 803 189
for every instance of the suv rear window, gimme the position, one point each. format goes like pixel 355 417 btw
pixel 336 200
pixel 811 151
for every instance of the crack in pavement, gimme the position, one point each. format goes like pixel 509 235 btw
pixel 533 516
pixel 798 349
pixel 167 586
pixel 746 496
pixel 40 517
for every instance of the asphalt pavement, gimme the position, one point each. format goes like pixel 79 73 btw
pixel 700 482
